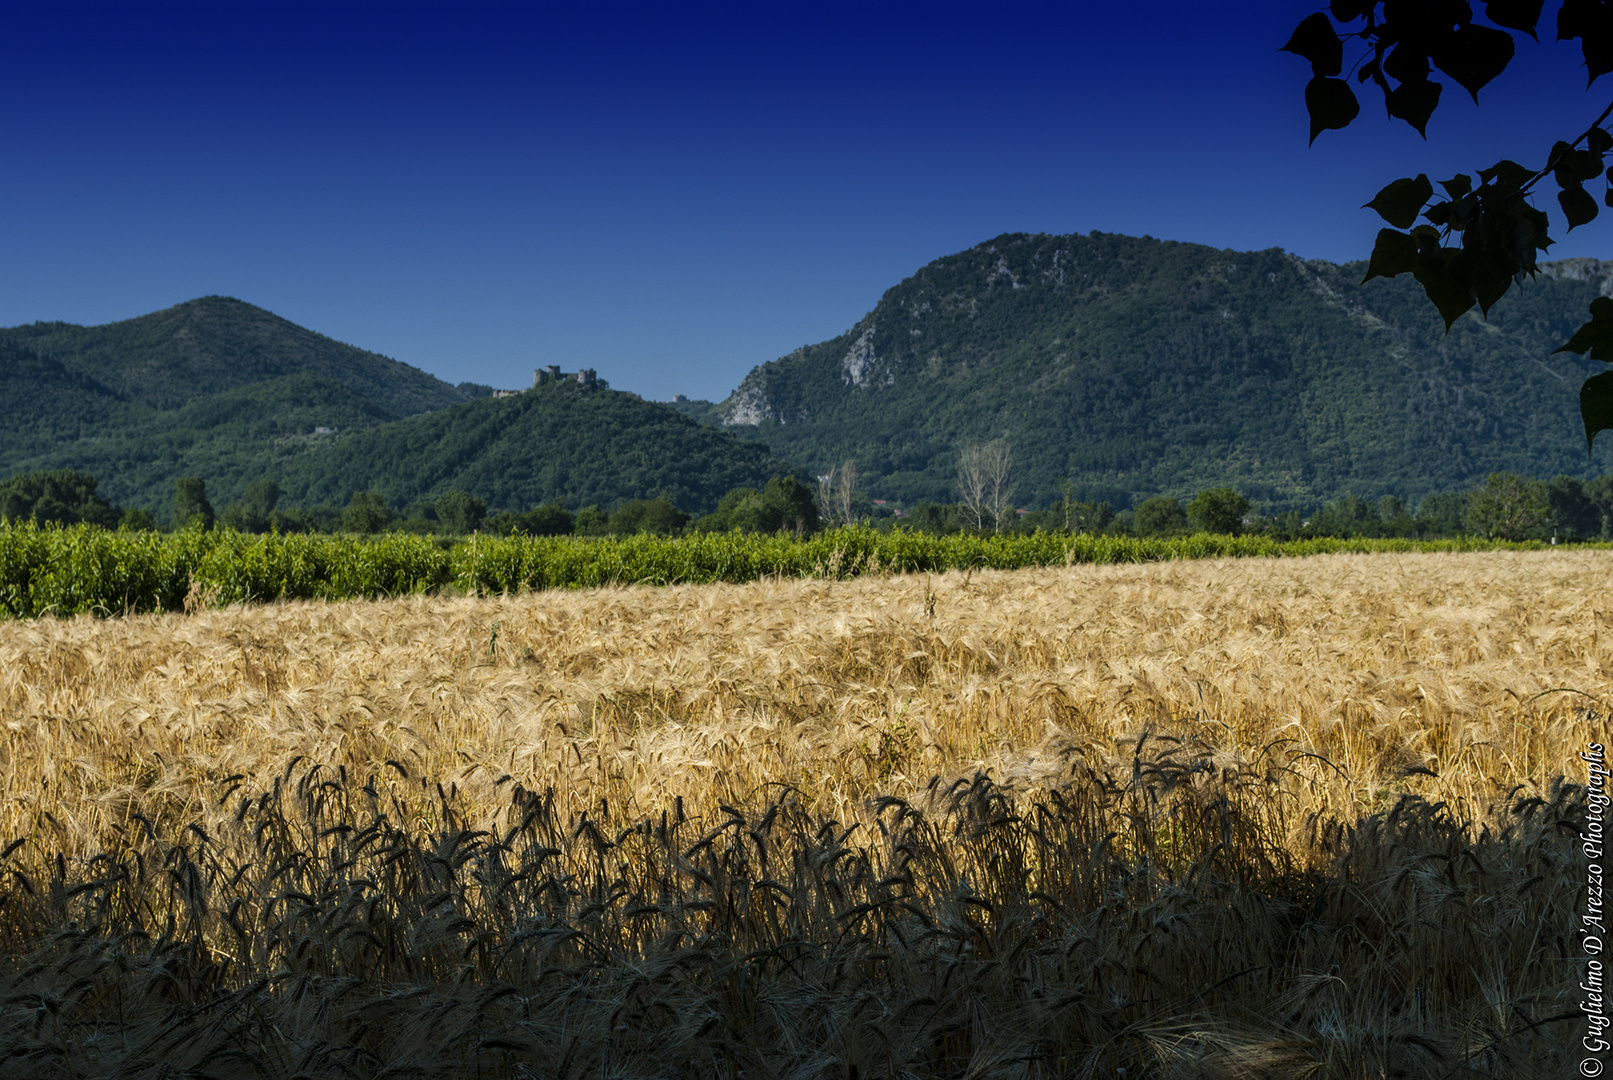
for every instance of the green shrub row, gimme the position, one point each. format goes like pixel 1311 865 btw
pixel 510 564
pixel 80 568
pixel 53 570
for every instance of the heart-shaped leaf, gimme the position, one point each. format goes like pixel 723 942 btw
pixel 1394 253
pixel 1450 293
pixel 1315 40
pixel 1491 272
pixel 1580 166
pixel 1331 104
pixel 1415 102
pixel 1399 202
pixel 1579 206
pixel 1473 55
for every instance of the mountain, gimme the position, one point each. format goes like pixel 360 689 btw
pixel 220 389
pixel 196 389
pixel 204 347
pixel 1134 366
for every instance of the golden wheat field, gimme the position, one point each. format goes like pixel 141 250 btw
pixel 1300 817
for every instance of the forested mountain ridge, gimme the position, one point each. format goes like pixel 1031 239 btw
pixel 226 391
pixel 1136 366
pixel 207 346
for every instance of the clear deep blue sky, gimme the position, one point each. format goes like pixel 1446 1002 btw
pixel 669 193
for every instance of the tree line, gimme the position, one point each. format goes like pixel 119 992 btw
pixel 1505 506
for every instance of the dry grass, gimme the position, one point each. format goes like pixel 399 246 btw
pixel 303 839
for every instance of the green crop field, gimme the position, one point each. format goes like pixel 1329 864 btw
pixel 77 569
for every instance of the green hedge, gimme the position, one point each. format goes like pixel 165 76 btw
pixel 79 568
pixel 492 564
pixel 68 570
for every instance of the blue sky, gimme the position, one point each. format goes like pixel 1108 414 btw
pixel 668 193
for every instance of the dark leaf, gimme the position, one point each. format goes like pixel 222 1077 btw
pixel 1595 338
pixel 1491 275
pixel 1483 237
pixel 1579 207
pixel 1598 53
pixel 1502 237
pixel 1414 102
pixel 1450 294
pixel 1557 162
pixel 1349 10
pixel 1608 198
pixel 1406 64
pixel 1599 141
pixel 1315 40
pixel 1527 235
pixel 1367 71
pixel 1521 15
pixel 1473 55
pixel 1580 166
pixel 1596 405
pixel 1439 214
pixel 1394 253
pixel 1574 16
pixel 1331 103
pixel 1508 174
pixel 1591 22
pixel 1399 202
pixel 1458 185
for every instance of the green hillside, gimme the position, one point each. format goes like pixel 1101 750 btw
pixel 1136 366
pixel 567 443
pixel 205 347
pixel 226 391
pixel 204 388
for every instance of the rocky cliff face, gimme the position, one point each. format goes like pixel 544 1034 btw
pixel 1595 271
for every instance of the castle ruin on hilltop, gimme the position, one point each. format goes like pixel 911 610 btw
pixel 553 374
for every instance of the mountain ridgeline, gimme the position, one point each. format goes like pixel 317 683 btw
pixel 226 391
pixel 1114 368
pixel 1134 366
pixel 196 350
